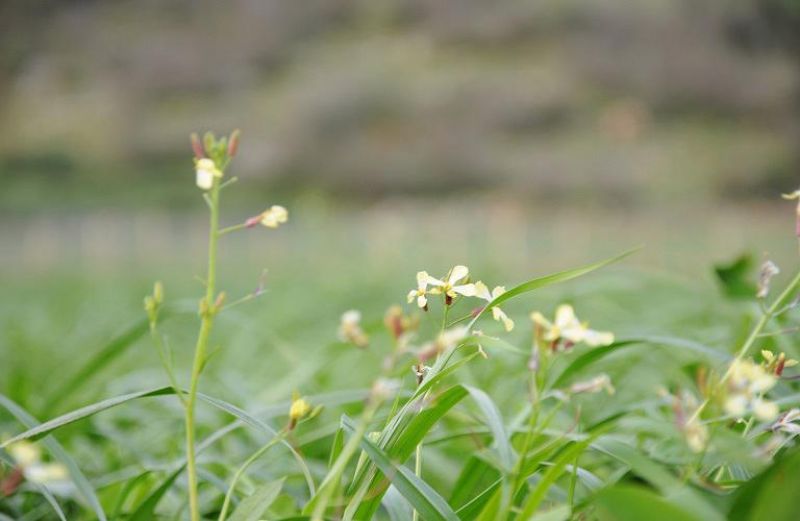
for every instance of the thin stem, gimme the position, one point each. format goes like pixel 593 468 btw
pixel 166 362
pixel 207 320
pixel 260 452
pixel 233 228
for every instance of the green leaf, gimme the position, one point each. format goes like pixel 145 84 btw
pixel 430 505
pixel 252 507
pixel 147 509
pixel 630 503
pixel 45 428
pixel 495 423
pixel 771 495
pixel 547 280
pixel 736 278
pixel 81 483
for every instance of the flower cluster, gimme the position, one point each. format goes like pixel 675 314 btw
pixel 747 384
pixel 566 330
pixel 776 364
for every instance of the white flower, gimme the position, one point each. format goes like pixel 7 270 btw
pixel 568 328
pixel 423 279
pixel 274 216
pixel 482 291
pixel 350 329
pixel 747 383
pixel 29 459
pixel 786 422
pixel 206 171
pixel 451 287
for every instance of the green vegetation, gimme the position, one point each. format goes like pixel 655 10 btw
pixel 470 401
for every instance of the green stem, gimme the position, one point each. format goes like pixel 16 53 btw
pixel 207 321
pixel 233 228
pixel 260 452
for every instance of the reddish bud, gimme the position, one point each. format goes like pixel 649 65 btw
pixel 233 143
pixel 197 147
pixel 252 221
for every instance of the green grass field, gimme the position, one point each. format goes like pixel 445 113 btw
pixel 673 396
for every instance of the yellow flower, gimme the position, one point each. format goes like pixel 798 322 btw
pixel 274 216
pixel 450 287
pixel 482 291
pixel 350 329
pixel 423 279
pixel 299 409
pixel 567 328
pixel 205 173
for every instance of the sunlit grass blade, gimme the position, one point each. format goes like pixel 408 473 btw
pixel 547 280
pixel 81 483
pixel 430 505
pixel 252 507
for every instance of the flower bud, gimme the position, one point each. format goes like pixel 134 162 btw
pixel 197 147
pixel 233 143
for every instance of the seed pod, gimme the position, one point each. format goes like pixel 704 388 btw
pixel 197 147
pixel 233 143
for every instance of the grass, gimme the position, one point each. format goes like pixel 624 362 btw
pixel 499 427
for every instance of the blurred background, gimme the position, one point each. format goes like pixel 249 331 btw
pixel 517 137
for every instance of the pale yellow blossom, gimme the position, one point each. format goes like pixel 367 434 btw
pixel 420 294
pixel 450 287
pixel 482 291
pixel 274 216
pixel 299 409
pixel 350 329
pixel 28 458
pixel 747 384
pixel 566 327
pixel 206 172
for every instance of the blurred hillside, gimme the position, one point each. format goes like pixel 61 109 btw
pixel 632 103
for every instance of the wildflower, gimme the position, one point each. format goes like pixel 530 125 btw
pixel 482 291
pixel 594 385
pixel 567 330
pixel 450 288
pixel 768 270
pixel 786 422
pixel 746 386
pixel 272 217
pixel 206 171
pixel 350 329
pixel 447 340
pixel 299 409
pixel 423 279
pixel 28 458
pixel 776 364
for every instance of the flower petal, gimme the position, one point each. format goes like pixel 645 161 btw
pixel 458 273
